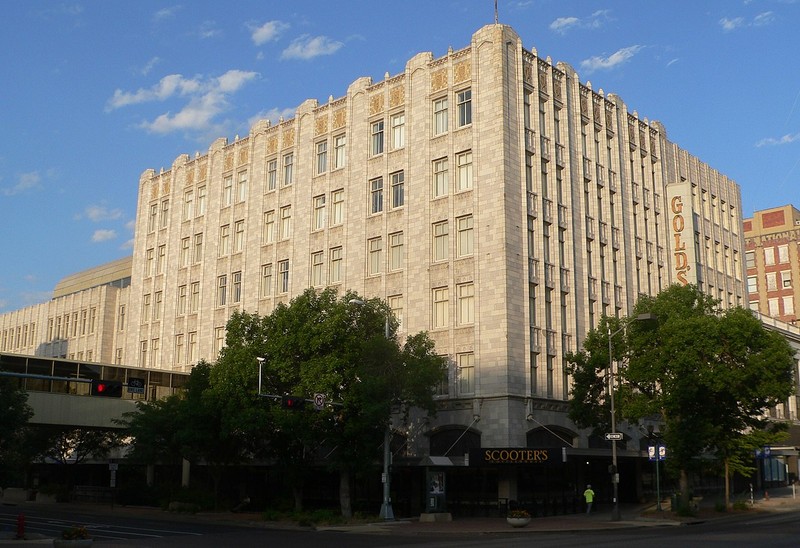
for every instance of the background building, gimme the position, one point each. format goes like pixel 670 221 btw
pixel 491 197
pixel 773 262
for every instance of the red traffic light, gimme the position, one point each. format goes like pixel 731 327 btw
pixel 292 402
pixel 106 389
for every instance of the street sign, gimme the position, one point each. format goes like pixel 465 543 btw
pixel 614 436
pixel 135 386
pixel 319 401
pixel 657 452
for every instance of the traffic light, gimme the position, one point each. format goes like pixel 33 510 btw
pixel 106 389
pixel 292 402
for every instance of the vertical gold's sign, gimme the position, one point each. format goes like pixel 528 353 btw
pixel 682 248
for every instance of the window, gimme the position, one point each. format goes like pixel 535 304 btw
pixel 201 200
pixel 241 187
pixel 335 270
pixel 236 295
pixel 164 214
pixel 769 256
pixel 198 248
pixel 227 191
pixel 152 218
pixel 466 303
pixel 783 253
pixel 146 307
pixel 120 320
pixel 752 284
pixel 192 351
pixel 272 174
pixel 182 297
pixel 786 278
pixel 441 241
pixel 286 222
pixel 149 262
pixel 440 178
pixel 750 259
pixel 396 305
pixel 288 169
pixel 466 373
pixel 179 344
pixel 318 220
pixel 219 339
pixel 441 313
pixel 337 209
pixel 788 305
pixel 466 239
pixel 772 283
pixel 322 157
pixel 222 290
pixel 266 280
pixel 398 189
pixel 161 260
pixel 376 195
pixel 143 354
pixel 317 269
pixel 464 170
pixel 283 276
pixel 158 301
pixel 224 240
pixel 377 138
pixel 374 248
pixel 194 298
pixel 185 250
pixel 238 236
pixel 398 124
pixel 188 205
pixel 773 307
pixel 339 151
pixel 155 345
pixel 464 105
pixel 440 116
pixel 396 251
pixel 268 230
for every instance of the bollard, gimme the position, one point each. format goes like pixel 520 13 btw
pixel 766 494
pixel 21 526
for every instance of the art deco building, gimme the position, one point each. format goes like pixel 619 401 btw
pixel 773 262
pixel 491 197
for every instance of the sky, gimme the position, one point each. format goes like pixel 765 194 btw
pixel 94 92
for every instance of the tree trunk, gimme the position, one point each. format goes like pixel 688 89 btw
pixel 683 504
pixel 344 494
pixel 297 491
pixel 727 485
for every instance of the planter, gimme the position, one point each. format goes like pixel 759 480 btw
pixel 64 543
pixel 518 522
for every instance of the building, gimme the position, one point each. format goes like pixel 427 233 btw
pixel 490 196
pixel 773 262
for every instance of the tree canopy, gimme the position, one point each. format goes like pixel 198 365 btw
pixel 14 416
pixel 705 373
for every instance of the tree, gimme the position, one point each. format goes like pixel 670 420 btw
pixel 322 344
pixel 707 373
pixel 14 416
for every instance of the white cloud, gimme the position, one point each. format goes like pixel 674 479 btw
pixel 772 141
pixel 24 182
pixel 308 47
pixel 103 235
pixel 731 24
pixel 98 213
pixel 612 61
pixel 267 32
pixel 763 19
pixel 150 65
pixel 273 115
pixel 208 29
pixel 127 244
pixel 166 13
pixel 168 86
pixel 595 21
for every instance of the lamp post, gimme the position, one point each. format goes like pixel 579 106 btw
pixel 615 515
pixel 386 506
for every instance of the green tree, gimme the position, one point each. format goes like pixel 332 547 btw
pixel 322 344
pixel 707 373
pixel 14 416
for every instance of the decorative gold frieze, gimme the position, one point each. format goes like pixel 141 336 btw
pixel 321 126
pixel 376 104
pixel 165 187
pixel 190 176
pixel 542 81
pixel 203 171
pixel 339 118
pixel 244 155
pixel 228 162
pixel 154 189
pixel 462 71
pixel 527 73
pixel 288 137
pixel 272 145
pixel 439 80
pixel 397 96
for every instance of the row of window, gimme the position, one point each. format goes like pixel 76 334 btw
pixel 19 337
pixel 774 280
pixel 72 325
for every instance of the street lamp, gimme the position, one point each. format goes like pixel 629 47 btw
pixel 615 515
pixel 386 506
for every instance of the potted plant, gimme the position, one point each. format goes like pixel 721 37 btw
pixel 518 518
pixel 77 535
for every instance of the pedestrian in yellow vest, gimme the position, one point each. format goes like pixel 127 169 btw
pixel 589 496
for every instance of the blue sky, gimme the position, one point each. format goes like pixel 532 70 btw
pixel 94 92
